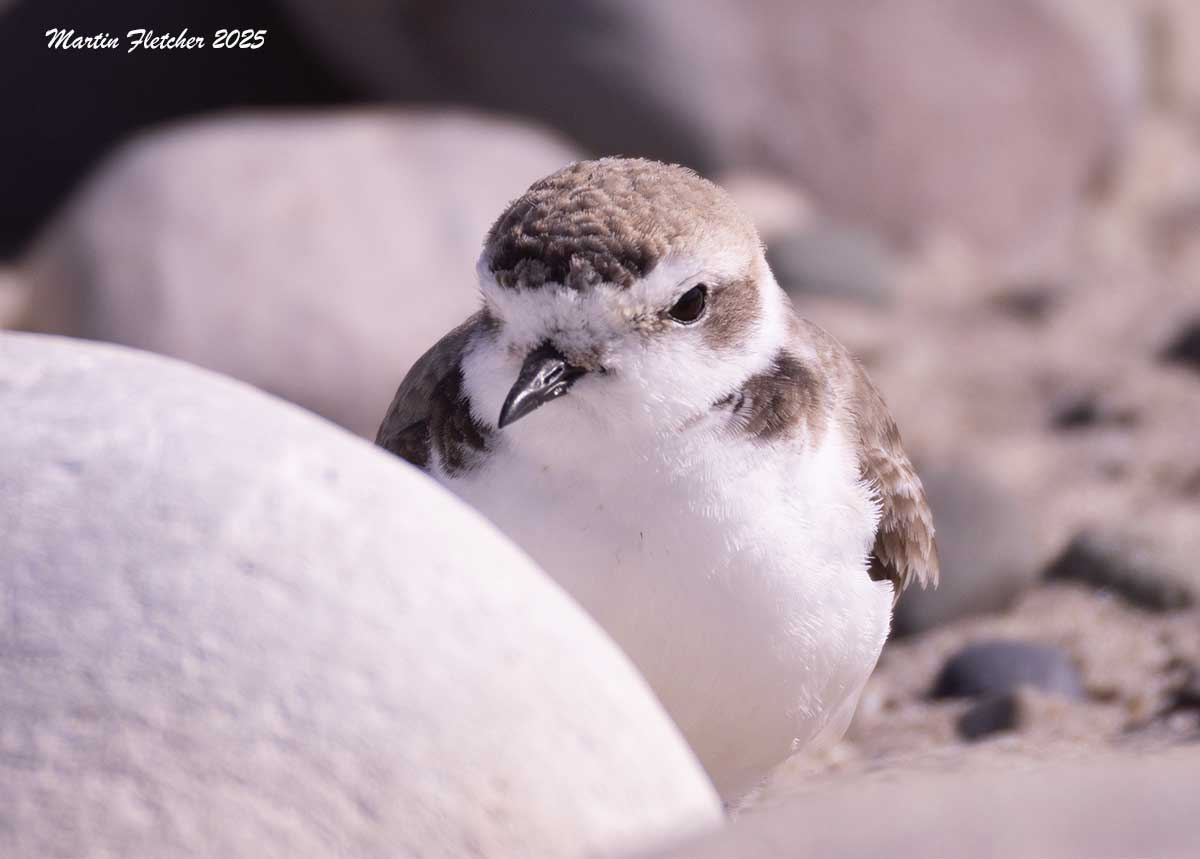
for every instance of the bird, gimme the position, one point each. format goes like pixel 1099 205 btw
pixel 714 479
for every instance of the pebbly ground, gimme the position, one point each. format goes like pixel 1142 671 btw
pixel 1139 694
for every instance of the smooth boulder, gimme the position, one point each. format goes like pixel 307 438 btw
pixel 229 628
pixel 316 256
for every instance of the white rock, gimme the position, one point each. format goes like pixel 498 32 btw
pixel 315 256
pixel 230 629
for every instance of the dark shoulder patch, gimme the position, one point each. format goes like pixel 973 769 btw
pixel 795 394
pixel 783 401
pixel 905 550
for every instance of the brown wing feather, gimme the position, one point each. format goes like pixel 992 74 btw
pixel 905 549
pixel 405 430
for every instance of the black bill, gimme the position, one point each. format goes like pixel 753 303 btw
pixel 546 375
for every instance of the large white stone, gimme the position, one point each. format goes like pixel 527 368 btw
pixel 316 256
pixel 228 628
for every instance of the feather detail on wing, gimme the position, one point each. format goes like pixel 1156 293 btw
pixel 904 550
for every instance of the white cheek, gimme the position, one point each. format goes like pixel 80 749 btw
pixel 678 375
pixel 489 371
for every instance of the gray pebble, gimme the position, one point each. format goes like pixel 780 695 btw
pixel 1086 410
pixel 1029 302
pixel 1123 565
pixel 1184 348
pixel 998 667
pixel 990 715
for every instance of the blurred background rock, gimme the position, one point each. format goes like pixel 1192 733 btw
pixel 995 205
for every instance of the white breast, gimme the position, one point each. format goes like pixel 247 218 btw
pixel 733 574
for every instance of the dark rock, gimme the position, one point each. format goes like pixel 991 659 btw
pixel 1087 409
pixel 1186 695
pixel 1127 566
pixel 985 541
pixel 1184 348
pixel 1075 412
pixel 842 262
pixel 991 715
pixel 1180 711
pixel 1028 302
pixel 998 667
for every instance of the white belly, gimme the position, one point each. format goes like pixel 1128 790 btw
pixel 737 585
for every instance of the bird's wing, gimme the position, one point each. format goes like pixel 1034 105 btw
pixel 405 430
pixel 904 550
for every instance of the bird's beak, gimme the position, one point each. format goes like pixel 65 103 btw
pixel 545 376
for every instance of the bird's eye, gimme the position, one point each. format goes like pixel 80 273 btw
pixel 690 305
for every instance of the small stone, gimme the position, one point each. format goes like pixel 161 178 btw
pixel 1186 695
pixel 1083 410
pixel 1080 411
pixel 1184 348
pixel 1123 565
pixel 1030 302
pixel 991 715
pixel 832 260
pixel 990 668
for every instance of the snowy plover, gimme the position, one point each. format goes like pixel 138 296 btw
pixel 717 482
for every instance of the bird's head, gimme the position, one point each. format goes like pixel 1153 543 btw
pixel 637 291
